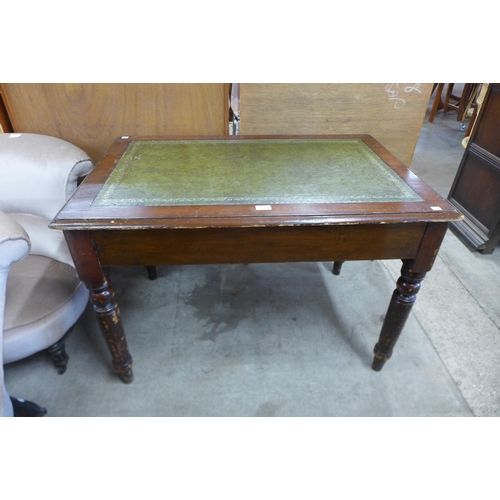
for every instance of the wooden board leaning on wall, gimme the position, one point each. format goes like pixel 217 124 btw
pixel 392 113
pixel 93 115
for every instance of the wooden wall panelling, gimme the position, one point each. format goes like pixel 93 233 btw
pixel 92 115
pixel 392 113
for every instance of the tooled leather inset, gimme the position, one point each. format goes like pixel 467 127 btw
pixel 261 171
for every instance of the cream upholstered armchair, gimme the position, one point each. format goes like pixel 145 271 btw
pixel 41 296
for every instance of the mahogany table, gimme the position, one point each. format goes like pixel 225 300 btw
pixel 249 199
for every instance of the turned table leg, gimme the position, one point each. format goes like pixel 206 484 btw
pixel 399 309
pixel 102 298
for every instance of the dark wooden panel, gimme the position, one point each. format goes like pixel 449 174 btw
pixel 477 191
pixel 263 244
pixel 429 247
pixel 487 133
pixel 476 188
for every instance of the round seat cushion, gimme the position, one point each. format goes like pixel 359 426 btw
pixel 44 298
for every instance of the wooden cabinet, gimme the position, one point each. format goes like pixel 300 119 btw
pixel 476 189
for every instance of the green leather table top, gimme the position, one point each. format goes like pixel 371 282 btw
pixel 260 171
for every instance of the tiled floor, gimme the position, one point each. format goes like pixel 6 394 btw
pixel 242 341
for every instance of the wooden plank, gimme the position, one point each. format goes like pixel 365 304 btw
pixel 92 116
pixel 391 113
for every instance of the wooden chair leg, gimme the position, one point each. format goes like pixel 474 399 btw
pixel 57 353
pixel 471 121
pixel 437 104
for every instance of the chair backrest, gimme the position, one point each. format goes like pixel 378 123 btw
pixel 38 173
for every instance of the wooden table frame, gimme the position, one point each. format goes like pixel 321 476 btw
pixel 223 234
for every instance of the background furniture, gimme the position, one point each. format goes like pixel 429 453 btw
pixel 476 188
pixel 43 296
pixel 391 113
pixel 462 104
pixel 93 115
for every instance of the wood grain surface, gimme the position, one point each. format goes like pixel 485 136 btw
pixel 391 113
pixel 92 115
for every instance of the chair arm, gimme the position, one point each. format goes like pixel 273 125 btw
pixel 44 241
pixel 14 244
pixel 39 173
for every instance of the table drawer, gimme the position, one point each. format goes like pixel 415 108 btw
pixel 258 244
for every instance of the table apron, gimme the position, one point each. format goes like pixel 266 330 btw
pixel 258 244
